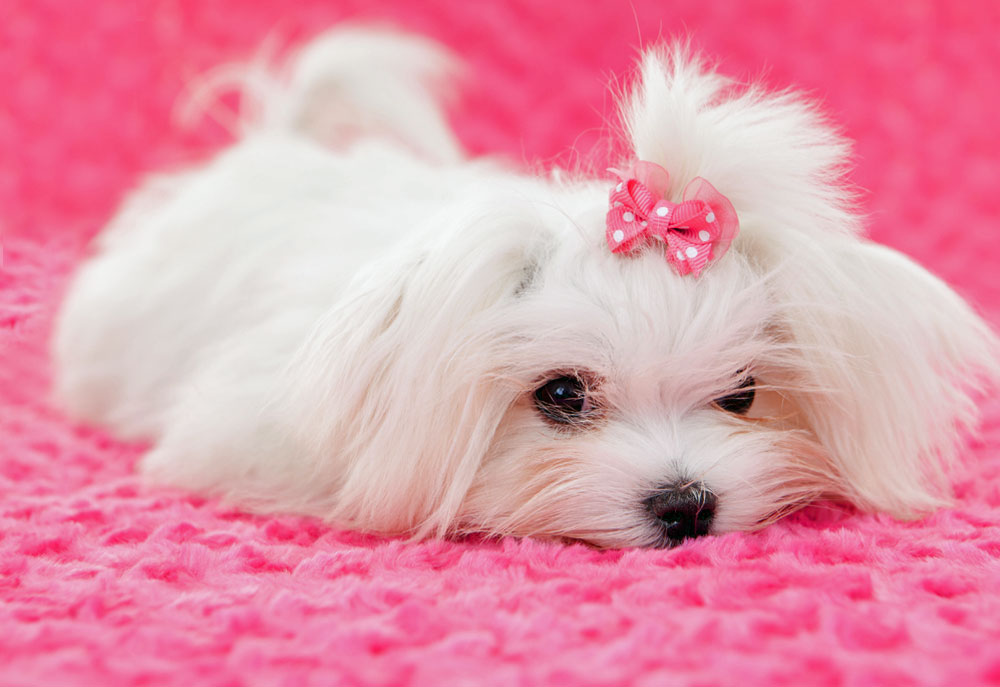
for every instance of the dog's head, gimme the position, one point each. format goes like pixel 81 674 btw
pixel 506 372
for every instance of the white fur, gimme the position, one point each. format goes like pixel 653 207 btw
pixel 354 328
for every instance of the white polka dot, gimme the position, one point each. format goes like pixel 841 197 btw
pixel 618 187
pixel 710 217
pixel 692 252
pixel 618 235
pixel 663 211
pixel 644 223
pixel 680 255
pixel 628 217
pixel 704 235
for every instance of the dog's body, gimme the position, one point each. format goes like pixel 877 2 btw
pixel 365 329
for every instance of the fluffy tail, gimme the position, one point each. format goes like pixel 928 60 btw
pixel 349 83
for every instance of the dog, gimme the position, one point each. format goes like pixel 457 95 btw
pixel 341 315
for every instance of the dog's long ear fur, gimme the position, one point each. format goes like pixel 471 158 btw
pixel 390 393
pixel 886 355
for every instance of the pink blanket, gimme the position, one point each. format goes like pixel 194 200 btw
pixel 105 583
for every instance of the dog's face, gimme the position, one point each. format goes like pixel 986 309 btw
pixel 505 372
pixel 649 406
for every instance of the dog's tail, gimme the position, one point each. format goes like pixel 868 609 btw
pixel 349 83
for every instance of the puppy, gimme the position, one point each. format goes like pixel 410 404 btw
pixel 341 315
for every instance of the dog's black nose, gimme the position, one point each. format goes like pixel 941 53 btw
pixel 684 512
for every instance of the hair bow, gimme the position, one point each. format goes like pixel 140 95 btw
pixel 696 231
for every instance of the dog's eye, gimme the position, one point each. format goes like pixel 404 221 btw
pixel 739 401
pixel 563 399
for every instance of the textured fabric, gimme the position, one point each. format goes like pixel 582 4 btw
pixel 695 231
pixel 105 583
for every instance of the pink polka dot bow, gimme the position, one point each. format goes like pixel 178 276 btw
pixel 696 231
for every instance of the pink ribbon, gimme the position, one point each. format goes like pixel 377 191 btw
pixel 696 231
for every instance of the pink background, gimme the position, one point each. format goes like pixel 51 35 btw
pixel 102 582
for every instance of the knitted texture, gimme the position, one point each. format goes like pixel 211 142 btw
pixel 103 582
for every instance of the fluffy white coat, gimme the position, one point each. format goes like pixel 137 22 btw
pixel 340 315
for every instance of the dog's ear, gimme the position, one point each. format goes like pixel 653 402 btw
pixel 887 357
pixel 395 392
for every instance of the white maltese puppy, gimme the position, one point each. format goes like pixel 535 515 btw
pixel 343 316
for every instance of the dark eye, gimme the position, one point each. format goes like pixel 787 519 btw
pixel 563 399
pixel 739 401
